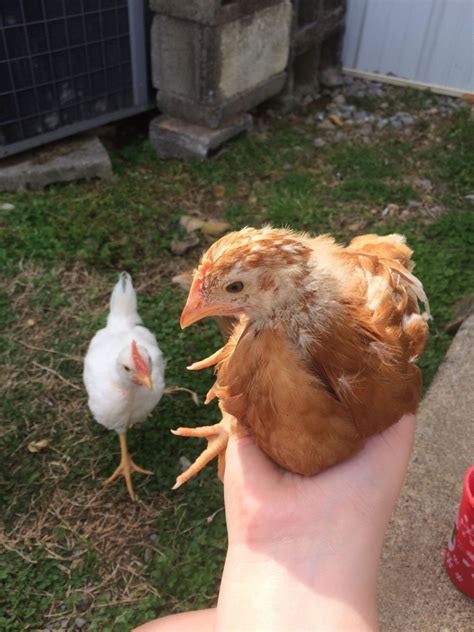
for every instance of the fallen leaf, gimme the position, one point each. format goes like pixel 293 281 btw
pixel 219 191
pixel 38 446
pixel 214 228
pixel 190 224
pixel 336 120
pixel 180 246
pixel 184 280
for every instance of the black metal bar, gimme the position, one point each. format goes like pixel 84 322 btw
pixel 29 57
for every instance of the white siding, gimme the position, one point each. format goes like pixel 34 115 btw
pixel 429 42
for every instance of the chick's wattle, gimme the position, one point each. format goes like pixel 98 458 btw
pixel 323 354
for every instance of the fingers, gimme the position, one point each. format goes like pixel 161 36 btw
pixel 201 431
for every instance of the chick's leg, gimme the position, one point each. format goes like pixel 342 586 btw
pixel 217 438
pixel 126 467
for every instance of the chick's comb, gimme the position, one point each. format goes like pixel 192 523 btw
pixel 205 265
pixel 141 365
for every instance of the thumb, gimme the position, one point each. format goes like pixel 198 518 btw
pixel 246 463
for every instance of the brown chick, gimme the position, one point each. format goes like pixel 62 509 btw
pixel 226 324
pixel 324 353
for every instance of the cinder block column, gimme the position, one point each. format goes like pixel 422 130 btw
pixel 214 60
pixel 316 47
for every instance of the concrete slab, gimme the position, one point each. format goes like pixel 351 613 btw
pixel 173 138
pixel 74 159
pixel 414 590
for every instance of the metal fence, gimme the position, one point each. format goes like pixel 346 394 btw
pixel 69 65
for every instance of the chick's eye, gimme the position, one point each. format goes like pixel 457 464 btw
pixel 127 368
pixel 235 287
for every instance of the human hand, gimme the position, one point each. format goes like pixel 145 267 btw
pixel 265 502
pixel 316 540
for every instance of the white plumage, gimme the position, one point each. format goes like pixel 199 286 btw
pixel 123 372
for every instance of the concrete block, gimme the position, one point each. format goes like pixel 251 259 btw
pixel 210 12
pixel 206 74
pixel 83 157
pixel 173 138
pixel 253 50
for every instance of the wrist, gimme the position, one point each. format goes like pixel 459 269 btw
pixel 289 583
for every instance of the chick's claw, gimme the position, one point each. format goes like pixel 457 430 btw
pixel 217 437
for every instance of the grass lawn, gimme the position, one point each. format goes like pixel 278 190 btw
pixel 73 549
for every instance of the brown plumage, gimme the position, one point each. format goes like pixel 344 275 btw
pixel 324 353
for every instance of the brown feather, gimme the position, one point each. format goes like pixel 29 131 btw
pixel 311 380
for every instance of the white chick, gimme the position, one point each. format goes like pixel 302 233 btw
pixel 123 373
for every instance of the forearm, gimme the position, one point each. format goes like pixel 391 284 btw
pixel 298 587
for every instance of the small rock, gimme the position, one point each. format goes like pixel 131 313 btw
pixel 361 117
pixel 326 124
pixel 319 142
pixel 181 246
pixel 424 183
pixel 396 123
pixel 407 119
pixel 148 556
pixel 414 204
pixel 436 210
pixel 339 136
pixel 331 77
pixel 340 99
pixel 85 601
pixel 391 210
pixel 366 130
pixel 190 224
pixel 30 322
pixel 381 123
pixel 80 623
pixel 6 206
pixel 63 623
pixel 469 198
pixel 184 463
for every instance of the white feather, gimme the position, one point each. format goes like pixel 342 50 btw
pixel 114 402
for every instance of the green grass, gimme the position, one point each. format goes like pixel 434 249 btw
pixel 60 252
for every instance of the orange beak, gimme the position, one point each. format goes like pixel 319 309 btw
pixel 196 307
pixel 145 380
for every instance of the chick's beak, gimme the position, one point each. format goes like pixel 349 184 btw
pixel 195 309
pixel 146 381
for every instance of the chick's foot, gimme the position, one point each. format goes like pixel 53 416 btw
pixel 217 438
pixel 126 468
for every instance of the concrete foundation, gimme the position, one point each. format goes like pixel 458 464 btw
pixel 83 157
pixel 173 138
pixel 213 60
